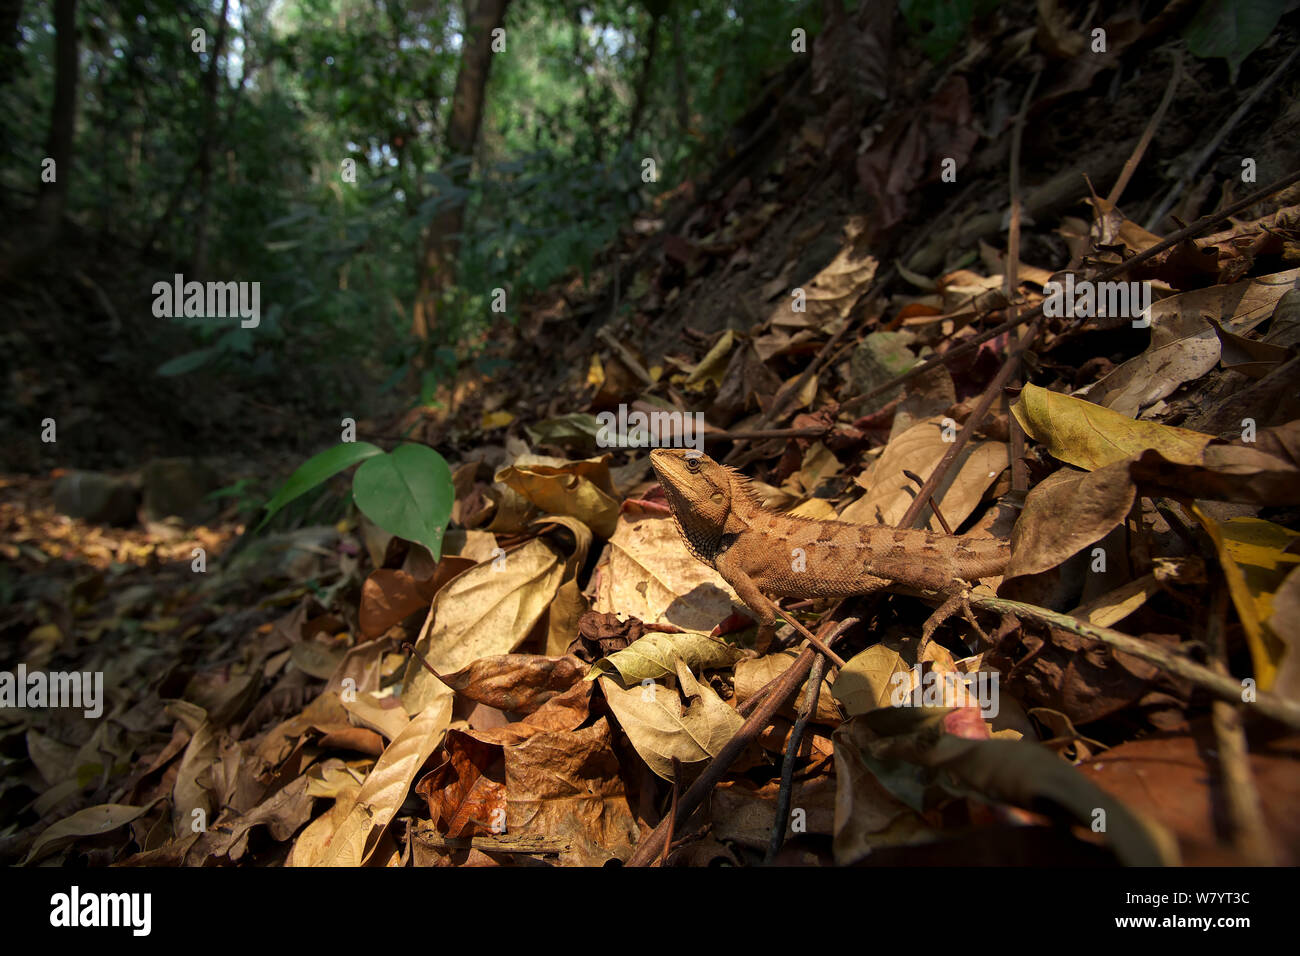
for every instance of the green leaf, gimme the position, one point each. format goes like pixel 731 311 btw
pixel 939 25
pixel 1232 29
pixel 317 469
pixel 408 493
pixel 188 362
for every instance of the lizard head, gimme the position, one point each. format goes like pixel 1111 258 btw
pixel 700 492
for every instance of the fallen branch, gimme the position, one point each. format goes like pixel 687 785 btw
pixel 1220 685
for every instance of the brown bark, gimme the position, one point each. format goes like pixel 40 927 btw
pixel 29 242
pixel 437 262
pixel 11 11
pixel 647 67
pixel 207 146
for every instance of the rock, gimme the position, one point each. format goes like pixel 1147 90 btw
pixel 179 487
pixel 96 497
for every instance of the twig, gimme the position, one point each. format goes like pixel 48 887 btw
pixel 1154 220
pixel 625 355
pixel 972 422
pixel 1019 473
pixel 786 686
pixel 786 396
pixel 410 649
pixel 672 810
pixel 1221 685
pixel 1240 798
pixel 809 637
pixel 759 434
pixel 1131 165
pixel 783 797
pixel 1202 224
pixel 934 505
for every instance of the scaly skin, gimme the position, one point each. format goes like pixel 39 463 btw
pixel 760 552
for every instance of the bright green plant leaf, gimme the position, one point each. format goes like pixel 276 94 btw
pixel 317 469
pixel 407 492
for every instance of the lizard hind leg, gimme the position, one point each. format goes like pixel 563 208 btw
pixel 958 601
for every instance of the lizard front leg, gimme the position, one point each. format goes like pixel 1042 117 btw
pixel 759 603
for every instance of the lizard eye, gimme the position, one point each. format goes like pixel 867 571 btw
pixel 693 465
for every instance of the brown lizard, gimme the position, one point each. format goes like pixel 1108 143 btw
pixel 758 551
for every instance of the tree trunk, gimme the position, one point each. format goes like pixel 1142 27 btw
pixel 11 12
pixel 643 82
pixel 207 146
pixel 27 244
pixel 437 260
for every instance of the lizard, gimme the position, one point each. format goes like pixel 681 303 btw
pixel 759 551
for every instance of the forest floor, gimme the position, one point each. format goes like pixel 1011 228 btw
pixel 277 708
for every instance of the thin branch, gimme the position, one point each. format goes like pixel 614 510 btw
pixel 1240 798
pixel 1220 685
pixel 806 710
pixel 1131 165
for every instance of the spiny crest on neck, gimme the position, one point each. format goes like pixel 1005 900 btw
pixel 742 487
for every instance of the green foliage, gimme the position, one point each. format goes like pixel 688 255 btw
pixel 304 85
pixel 408 493
pixel 938 25
pixel 1232 29
pixel 317 470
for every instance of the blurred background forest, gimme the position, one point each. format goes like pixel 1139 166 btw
pixel 324 148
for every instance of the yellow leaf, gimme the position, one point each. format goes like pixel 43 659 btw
pixel 714 363
pixel 1088 436
pixel 580 489
pixel 497 419
pixel 1255 561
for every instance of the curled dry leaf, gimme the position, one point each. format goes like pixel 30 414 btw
pixel 1066 512
pixel 566 785
pixel 1256 557
pixel 1088 436
pixel 92 821
pixel 919 450
pixel 656 655
pixel 489 609
pixel 650 575
pixel 579 489
pixel 385 789
pixel 1184 345
pixel 662 727
pixel 519 683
